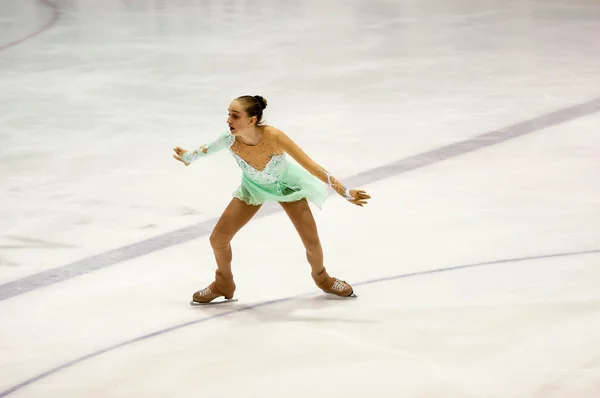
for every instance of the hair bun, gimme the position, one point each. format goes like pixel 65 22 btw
pixel 261 101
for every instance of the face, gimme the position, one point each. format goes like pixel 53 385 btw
pixel 238 119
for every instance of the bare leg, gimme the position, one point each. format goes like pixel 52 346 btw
pixel 304 222
pixel 236 215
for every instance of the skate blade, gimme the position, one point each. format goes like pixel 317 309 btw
pixel 335 296
pixel 214 302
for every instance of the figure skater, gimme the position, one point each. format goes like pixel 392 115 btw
pixel 260 151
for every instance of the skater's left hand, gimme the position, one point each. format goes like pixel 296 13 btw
pixel 360 197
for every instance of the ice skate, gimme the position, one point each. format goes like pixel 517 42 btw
pixel 333 285
pixel 221 287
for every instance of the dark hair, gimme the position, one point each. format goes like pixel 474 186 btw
pixel 254 106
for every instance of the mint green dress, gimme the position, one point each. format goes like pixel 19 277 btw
pixel 279 181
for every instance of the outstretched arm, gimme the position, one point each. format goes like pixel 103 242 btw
pixel 358 197
pixel 188 157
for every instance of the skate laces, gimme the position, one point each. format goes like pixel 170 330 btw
pixel 338 285
pixel 205 292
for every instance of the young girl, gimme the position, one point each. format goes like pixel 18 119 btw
pixel 267 176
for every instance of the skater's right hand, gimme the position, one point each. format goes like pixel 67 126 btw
pixel 179 152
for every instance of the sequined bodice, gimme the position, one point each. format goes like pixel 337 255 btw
pixel 273 171
pixel 263 163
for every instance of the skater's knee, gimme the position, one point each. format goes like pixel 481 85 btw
pixel 312 244
pixel 219 241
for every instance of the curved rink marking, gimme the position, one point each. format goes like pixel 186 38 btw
pixel 44 28
pixel 94 354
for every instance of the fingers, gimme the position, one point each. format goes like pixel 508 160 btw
pixel 180 151
pixel 362 194
pixel 359 202
pixel 360 197
pixel 178 158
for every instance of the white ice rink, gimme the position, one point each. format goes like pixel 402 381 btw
pixel 474 125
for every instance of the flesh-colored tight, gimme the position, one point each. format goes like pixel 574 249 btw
pixel 238 213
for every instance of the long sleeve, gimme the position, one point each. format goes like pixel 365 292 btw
pixel 224 141
pixel 286 144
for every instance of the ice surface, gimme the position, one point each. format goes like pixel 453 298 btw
pixel 91 108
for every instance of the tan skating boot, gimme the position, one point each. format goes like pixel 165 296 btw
pixel 332 285
pixel 221 287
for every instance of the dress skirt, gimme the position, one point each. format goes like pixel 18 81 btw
pixel 295 184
